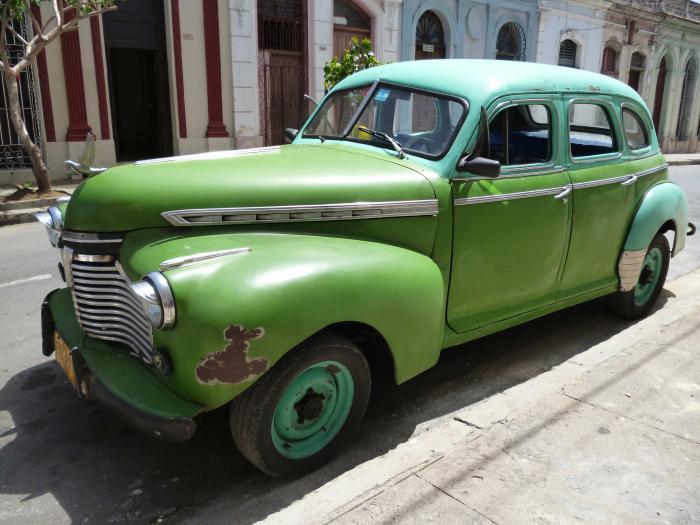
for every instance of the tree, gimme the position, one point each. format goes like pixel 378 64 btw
pixel 66 16
pixel 357 57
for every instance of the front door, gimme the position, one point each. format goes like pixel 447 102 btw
pixel 603 195
pixel 138 80
pixel 511 232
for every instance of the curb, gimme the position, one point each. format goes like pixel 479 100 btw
pixel 688 162
pixel 29 204
pixel 8 218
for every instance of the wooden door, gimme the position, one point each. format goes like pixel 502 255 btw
pixel 282 85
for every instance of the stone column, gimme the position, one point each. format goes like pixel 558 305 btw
pixel 216 127
pixel 78 127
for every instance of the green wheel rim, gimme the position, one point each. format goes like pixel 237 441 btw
pixel 649 276
pixel 312 410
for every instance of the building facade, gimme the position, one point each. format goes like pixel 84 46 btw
pixel 169 77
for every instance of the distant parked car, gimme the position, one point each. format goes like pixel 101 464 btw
pixel 423 204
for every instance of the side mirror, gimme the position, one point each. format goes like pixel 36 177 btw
pixel 479 166
pixel 290 134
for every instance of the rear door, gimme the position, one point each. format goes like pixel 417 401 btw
pixel 510 232
pixel 603 195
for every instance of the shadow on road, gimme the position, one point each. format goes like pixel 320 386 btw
pixel 99 470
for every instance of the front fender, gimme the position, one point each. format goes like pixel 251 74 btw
pixel 238 314
pixel 661 203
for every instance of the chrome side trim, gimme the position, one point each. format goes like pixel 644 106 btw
pixel 622 179
pixel 179 262
pixel 301 213
pixel 651 171
pixel 529 171
pixel 600 182
pixel 464 201
pixel 629 268
pixel 89 237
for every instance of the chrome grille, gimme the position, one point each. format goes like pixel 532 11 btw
pixel 107 308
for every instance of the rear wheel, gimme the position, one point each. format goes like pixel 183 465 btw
pixel 637 303
pixel 303 410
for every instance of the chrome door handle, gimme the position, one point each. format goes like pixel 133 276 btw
pixel 563 194
pixel 629 181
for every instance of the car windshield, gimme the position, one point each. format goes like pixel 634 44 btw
pixel 422 123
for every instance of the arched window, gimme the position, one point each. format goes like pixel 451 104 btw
pixel 430 38
pixel 686 108
pixel 609 66
pixel 637 66
pixel 567 53
pixel 510 44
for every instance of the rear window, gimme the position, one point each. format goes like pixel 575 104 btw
pixel 636 132
pixel 590 130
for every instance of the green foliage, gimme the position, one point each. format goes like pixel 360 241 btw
pixel 357 57
pixel 16 8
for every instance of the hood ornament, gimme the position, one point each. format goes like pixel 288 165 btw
pixel 82 167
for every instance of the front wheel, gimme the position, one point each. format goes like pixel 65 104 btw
pixel 637 302
pixel 303 410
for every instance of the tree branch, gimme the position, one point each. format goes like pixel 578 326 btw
pixel 17 35
pixel 30 14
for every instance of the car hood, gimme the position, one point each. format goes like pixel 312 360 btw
pixel 133 196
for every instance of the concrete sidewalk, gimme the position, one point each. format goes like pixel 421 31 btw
pixel 610 436
pixel 16 212
pixel 682 159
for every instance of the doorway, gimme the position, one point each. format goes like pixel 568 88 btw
pixel 430 38
pixel 349 22
pixel 659 96
pixel 282 67
pixel 137 72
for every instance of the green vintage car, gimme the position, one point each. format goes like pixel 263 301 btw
pixel 422 205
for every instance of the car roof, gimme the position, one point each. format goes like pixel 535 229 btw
pixel 481 81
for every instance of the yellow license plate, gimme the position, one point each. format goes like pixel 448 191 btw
pixel 64 358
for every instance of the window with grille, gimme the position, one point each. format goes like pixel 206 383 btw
pixel 510 43
pixel 12 154
pixel 567 53
pixel 637 65
pixel 280 25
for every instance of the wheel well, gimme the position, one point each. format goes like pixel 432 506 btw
pixel 372 345
pixel 666 227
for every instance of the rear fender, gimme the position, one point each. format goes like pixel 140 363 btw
pixel 238 314
pixel 662 203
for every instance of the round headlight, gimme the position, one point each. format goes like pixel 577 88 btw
pixel 156 299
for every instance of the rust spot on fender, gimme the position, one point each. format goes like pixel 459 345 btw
pixel 333 369
pixel 232 364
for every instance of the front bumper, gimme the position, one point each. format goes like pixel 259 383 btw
pixel 107 374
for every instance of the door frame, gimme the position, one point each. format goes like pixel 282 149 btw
pixel 554 168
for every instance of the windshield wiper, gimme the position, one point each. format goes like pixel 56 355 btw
pixel 385 137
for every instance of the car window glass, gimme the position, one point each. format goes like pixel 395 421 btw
pixel 590 130
pixel 635 131
pixel 332 118
pixel 521 135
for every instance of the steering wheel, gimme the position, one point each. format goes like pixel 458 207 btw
pixel 422 144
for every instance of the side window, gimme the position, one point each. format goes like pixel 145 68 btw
pixel 636 132
pixel 521 135
pixel 590 130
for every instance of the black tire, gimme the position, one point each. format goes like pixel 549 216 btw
pixel 252 412
pixel 624 303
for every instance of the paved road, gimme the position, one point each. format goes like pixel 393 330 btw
pixel 64 460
